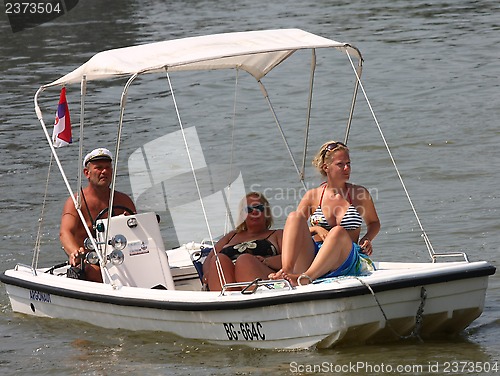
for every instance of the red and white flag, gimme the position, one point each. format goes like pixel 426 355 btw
pixel 61 136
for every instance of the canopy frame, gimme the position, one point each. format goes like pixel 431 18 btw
pixel 257 54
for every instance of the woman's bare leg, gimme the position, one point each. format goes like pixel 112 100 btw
pixel 214 283
pixel 249 267
pixel 297 248
pixel 334 251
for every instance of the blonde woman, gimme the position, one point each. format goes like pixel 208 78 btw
pixel 322 237
pixel 250 251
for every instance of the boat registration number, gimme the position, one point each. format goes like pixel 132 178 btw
pixel 40 296
pixel 248 331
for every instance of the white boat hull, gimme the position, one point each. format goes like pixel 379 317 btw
pixel 322 315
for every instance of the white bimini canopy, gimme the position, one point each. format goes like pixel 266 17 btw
pixel 256 52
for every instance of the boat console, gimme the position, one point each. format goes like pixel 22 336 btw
pixel 134 251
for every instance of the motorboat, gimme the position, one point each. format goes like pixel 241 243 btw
pixel 151 267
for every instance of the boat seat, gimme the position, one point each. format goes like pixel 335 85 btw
pixel 198 258
pixel 145 262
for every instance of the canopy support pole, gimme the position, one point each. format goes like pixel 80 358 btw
pixel 308 118
pixel 220 272
pixel 266 96
pixel 231 159
pixel 83 92
pixel 123 101
pixel 358 72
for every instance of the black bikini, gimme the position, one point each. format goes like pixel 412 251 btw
pixel 259 247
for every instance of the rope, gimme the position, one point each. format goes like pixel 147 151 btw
pixel 217 262
pixel 419 316
pixel 34 263
pixel 220 271
pixel 430 249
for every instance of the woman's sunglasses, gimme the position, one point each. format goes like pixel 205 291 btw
pixel 250 209
pixel 332 146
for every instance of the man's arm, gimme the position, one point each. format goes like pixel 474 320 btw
pixel 68 231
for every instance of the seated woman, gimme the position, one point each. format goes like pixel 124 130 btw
pixel 250 251
pixel 330 246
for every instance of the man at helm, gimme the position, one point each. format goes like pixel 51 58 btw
pixel 97 168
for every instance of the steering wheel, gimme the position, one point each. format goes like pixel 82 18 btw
pixel 105 210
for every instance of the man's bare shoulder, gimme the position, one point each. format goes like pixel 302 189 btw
pixel 69 206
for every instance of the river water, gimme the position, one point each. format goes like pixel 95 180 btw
pixel 431 72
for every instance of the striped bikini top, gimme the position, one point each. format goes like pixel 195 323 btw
pixel 351 220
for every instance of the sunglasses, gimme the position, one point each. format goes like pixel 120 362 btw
pixel 250 209
pixel 332 146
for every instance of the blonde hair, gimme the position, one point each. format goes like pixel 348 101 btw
pixel 325 154
pixel 243 204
